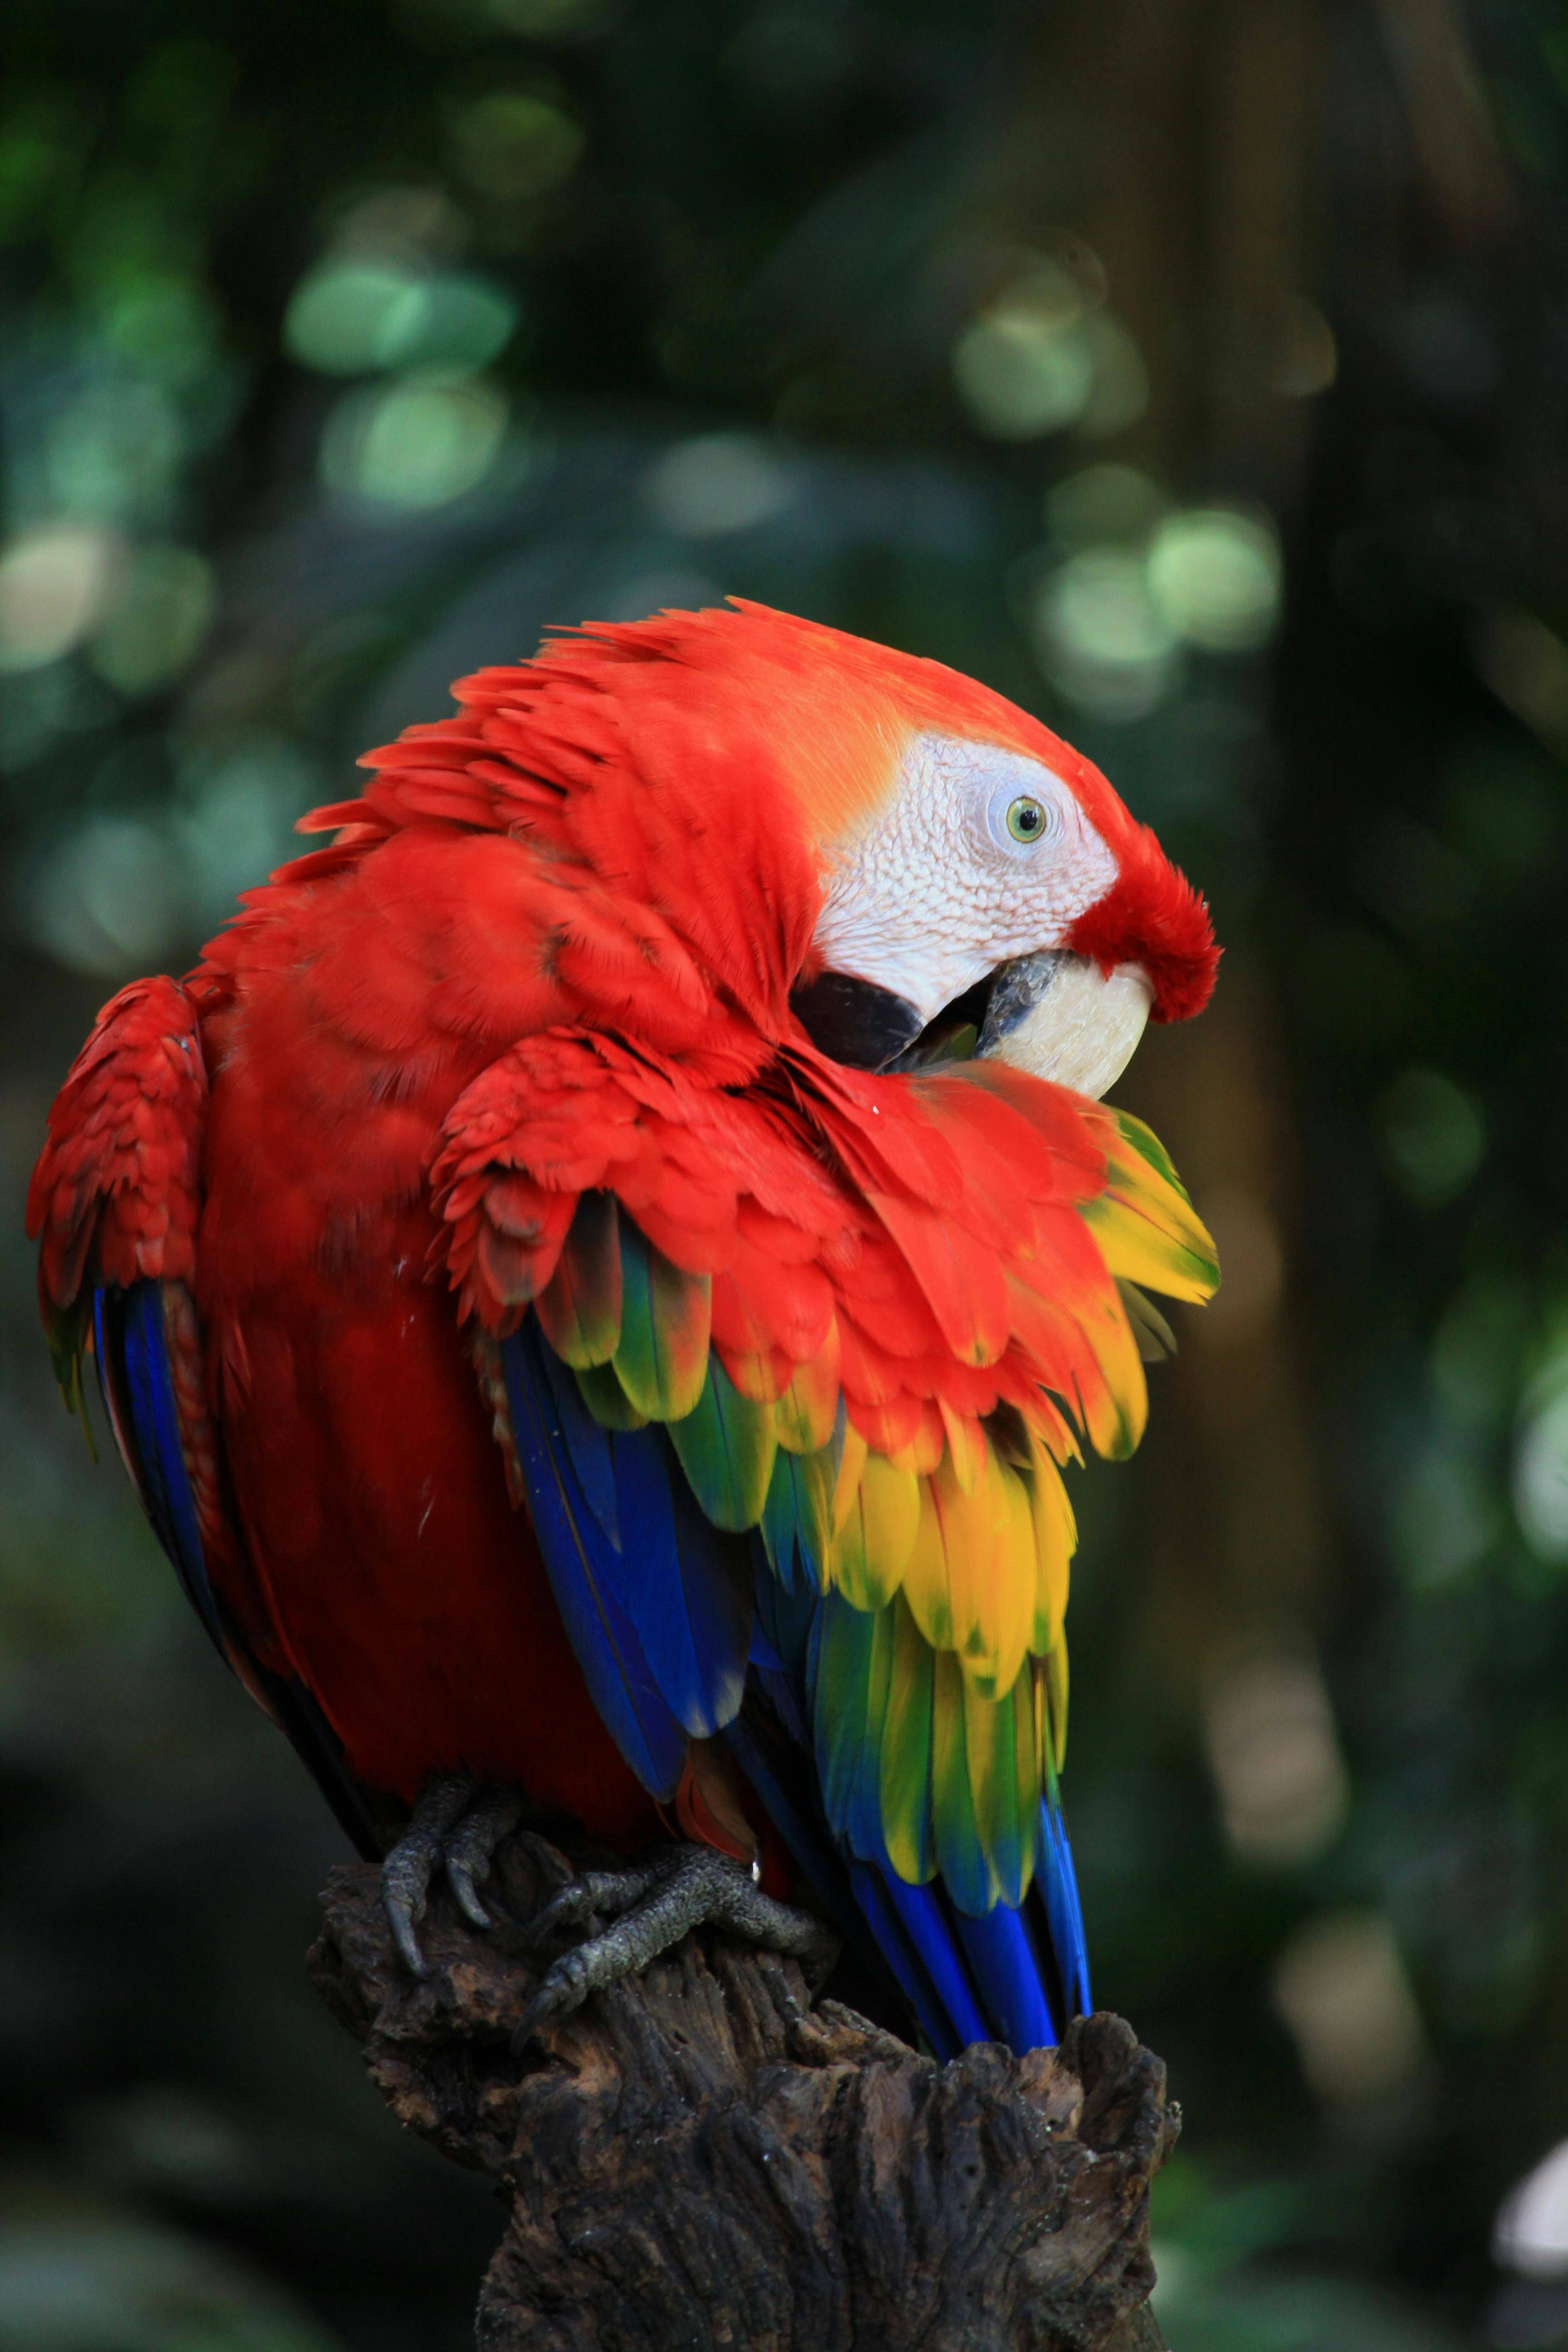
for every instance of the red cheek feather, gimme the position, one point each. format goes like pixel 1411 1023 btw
pixel 1153 917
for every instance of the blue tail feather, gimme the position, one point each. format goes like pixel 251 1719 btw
pixel 1058 1879
pixel 923 1915
pixel 1001 1953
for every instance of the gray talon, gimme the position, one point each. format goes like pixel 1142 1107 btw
pixel 453 1828
pixel 473 1842
pixel 547 1859
pixel 653 1905
pixel 607 1891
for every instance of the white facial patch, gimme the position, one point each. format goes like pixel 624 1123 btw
pixel 978 855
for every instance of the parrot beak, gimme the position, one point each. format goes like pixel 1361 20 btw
pixel 1059 1016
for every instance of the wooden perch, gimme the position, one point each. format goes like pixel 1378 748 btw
pixel 702 2158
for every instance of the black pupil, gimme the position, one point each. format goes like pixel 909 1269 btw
pixel 1029 818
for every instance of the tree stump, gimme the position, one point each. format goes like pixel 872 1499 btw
pixel 701 2158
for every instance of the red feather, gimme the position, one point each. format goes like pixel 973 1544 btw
pixel 550 949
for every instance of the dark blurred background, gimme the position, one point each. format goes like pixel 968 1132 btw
pixel 1195 372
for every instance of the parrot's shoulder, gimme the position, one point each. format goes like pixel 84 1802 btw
pixel 427 938
pixel 118 1173
pixel 115 1196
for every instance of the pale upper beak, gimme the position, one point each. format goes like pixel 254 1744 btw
pixel 1059 1016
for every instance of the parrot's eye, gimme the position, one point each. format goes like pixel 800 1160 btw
pixel 1025 807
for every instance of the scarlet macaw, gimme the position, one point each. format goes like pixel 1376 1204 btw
pixel 581 1327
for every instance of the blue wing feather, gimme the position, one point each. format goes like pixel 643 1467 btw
pixel 661 1625
pixel 136 1383
pixel 686 1585
pixel 583 1564
pixel 586 1444
pixel 129 1328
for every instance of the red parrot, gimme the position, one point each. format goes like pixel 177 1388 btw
pixel 596 1273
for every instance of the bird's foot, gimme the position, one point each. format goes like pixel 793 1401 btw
pixel 455 1827
pixel 653 1904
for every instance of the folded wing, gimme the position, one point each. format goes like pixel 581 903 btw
pixel 789 1379
pixel 115 1204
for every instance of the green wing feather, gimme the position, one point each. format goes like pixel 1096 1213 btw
pixel 579 1308
pixel 661 1356
pixel 797 1517
pixel 727 1445
pixel 607 1400
pixel 905 1758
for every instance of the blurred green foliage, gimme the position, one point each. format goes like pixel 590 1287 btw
pixel 1196 376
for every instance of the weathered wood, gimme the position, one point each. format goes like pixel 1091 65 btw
pixel 702 2160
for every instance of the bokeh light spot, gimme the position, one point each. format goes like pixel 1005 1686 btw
pixel 39 147
pixel 1216 576
pixel 1102 639
pixel 1022 381
pixel 1270 1732
pixel 1119 380
pixel 402 222
pixel 1530 2233
pixel 716 483
pixel 1444 1518
pixel 1104 503
pixel 108 898
pixel 160 613
pixel 1023 367
pixel 515 145
pixel 1431 1136
pixel 640 594
pixel 168 327
pixel 348 317
pixel 1303 360
pixel 238 804
pixel 412 444
pixel 1541 1469
pixel 1526 665
pixel 114 454
pixel 1341 1988
pixel 53 583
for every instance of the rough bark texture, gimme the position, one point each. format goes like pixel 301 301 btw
pixel 701 2158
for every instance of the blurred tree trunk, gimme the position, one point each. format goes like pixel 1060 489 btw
pixel 1194 145
pixel 1177 137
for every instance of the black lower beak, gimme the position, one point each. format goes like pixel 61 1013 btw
pixel 871 1028
pixel 854 1021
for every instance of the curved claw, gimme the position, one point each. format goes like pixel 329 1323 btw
pixel 406 1873
pixel 454 1828
pixel 607 1891
pixel 565 1987
pixel 472 1844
